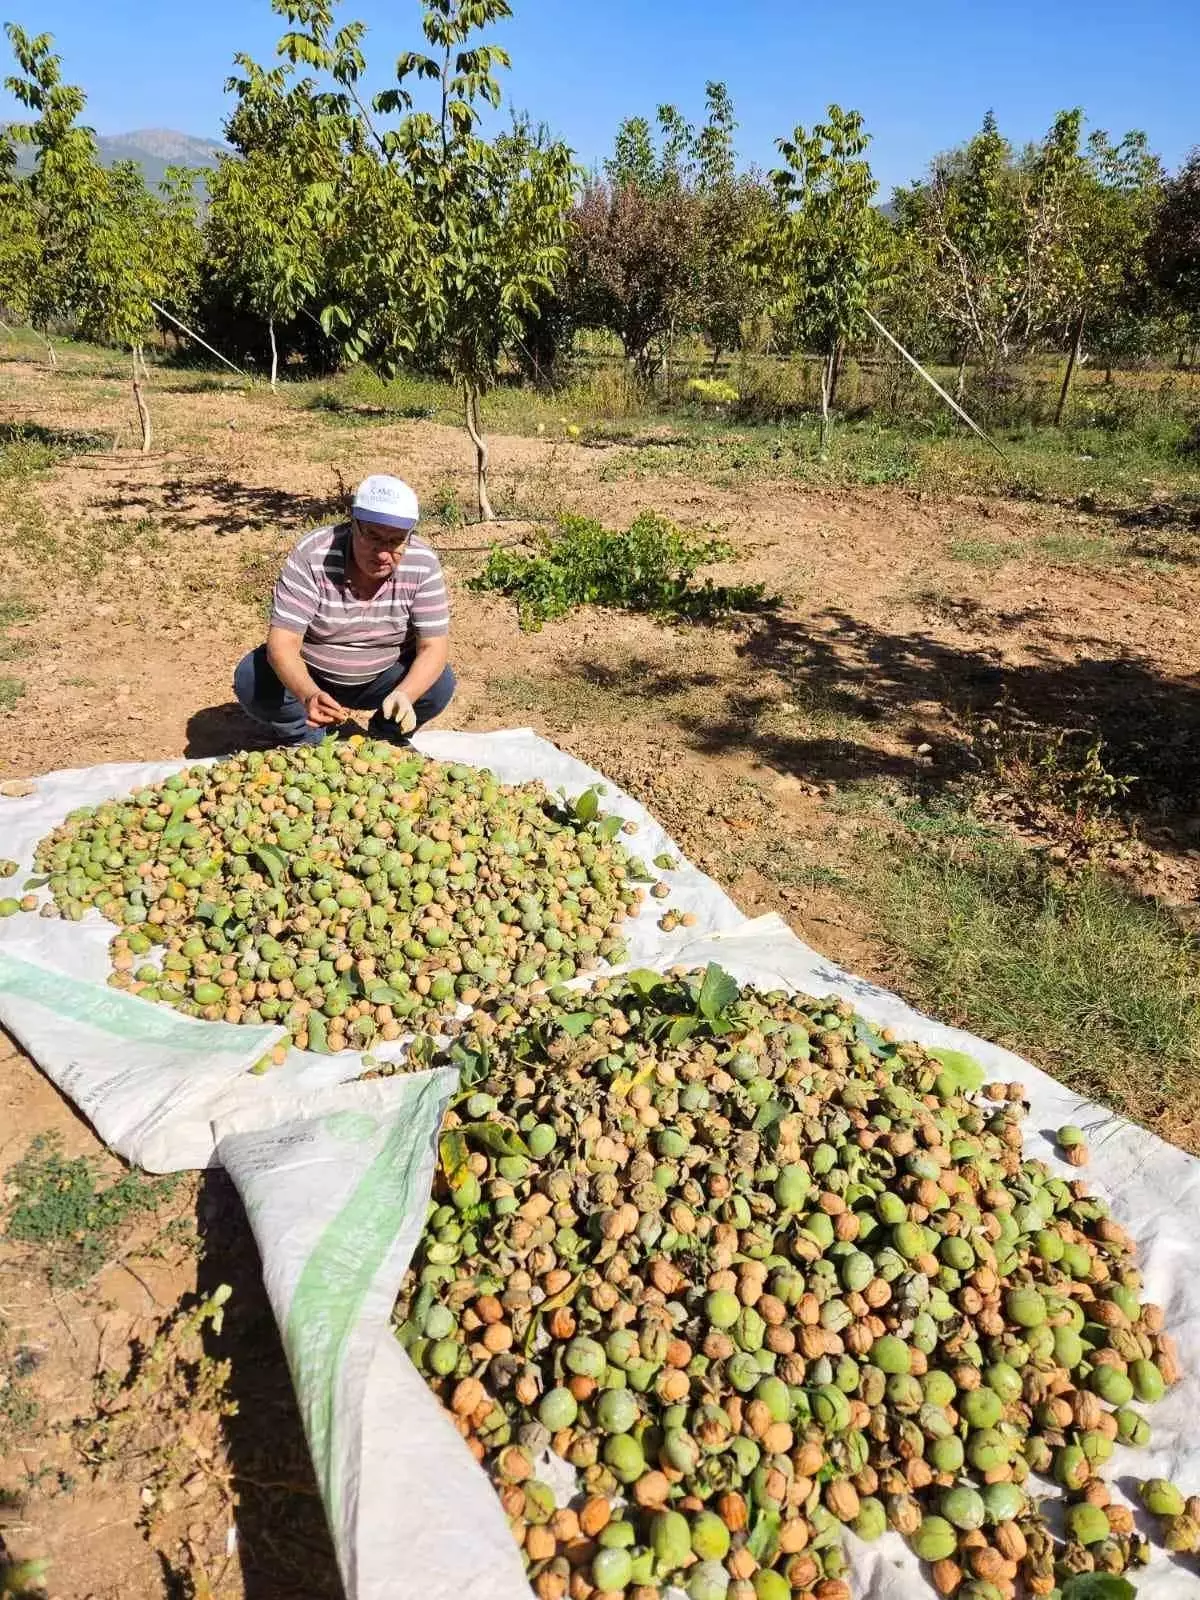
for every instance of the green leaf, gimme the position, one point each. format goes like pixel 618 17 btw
pixel 717 993
pixel 610 827
pixel 34 883
pixel 473 1062
pixel 764 1536
pixel 1098 1586
pixel 866 1034
pixel 964 1069
pixel 272 863
pixel 771 1112
pixel 422 1050
pixel 587 807
pixel 643 981
pixel 576 1023
pixel 682 1028
pixel 496 1139
pixel 453 1153
pixel 382 994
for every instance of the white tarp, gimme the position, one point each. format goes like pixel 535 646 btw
pixel 335 1178
pixel 153 1082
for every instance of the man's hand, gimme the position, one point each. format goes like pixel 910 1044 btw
pixel 323 710
pixel 397 708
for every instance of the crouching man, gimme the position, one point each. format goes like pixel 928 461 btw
pixel 360 621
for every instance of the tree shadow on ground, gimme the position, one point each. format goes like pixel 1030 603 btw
pixel 221 505
pixel 844 675
pixel 224 505
pixel 72 440
pixel 222 731
pixel 284 1545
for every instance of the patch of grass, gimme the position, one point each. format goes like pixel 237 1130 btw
pixel 73 1217
pixel 12 610
pixel 18 1408
pixel 27 448
pixel 1079 550
pixel 562 700
pixel 981 552
pixel 648 568
pixel 47 545
pixel 1098 987
pixel 779 860
pixel 255 582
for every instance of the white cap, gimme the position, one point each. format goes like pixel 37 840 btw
pixel 386 500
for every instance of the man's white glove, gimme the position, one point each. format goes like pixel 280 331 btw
pixel 397 708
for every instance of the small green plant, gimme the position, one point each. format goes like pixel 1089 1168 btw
pixel 649 568
pixel 18 1408
pixel 444 506
pixel 1064 767
pixel 64 1208
pixel 712 392
pixel 22 1580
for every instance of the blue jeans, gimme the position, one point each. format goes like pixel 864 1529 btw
pixel 264 699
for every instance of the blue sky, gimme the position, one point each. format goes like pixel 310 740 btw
pixel 922 72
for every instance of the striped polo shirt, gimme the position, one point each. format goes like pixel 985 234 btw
pixel 346 639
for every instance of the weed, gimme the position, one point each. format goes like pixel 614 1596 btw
pixel 18 1408
pixel 12 611
pixel 255 582
pixel 932 818
pixel 63 1207
pixel 648 568
pixel 15 610
pixel 444 506
pixel 1082 976
pixel 143 1420
pixel 1063 767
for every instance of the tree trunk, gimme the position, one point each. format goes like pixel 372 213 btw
pixel 835 371
pixel 960 388
pixel 1064 393
pixel 827 374
pixel 50 351
pixel 140 402
pixel 668 351
pixel 274 355
pixel 718 352
pixel 471 412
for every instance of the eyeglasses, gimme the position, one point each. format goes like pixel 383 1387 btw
pixel 378 536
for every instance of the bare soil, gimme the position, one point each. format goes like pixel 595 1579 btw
pixel 902 618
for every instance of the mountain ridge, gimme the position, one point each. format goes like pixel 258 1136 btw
pixel 153 149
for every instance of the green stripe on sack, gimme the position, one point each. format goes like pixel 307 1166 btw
pixel 339 1273
pixel 122 1015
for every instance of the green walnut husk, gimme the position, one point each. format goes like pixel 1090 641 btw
pixel 794 1275
pixel 347 891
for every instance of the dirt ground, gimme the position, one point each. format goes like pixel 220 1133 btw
pixel 902 618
